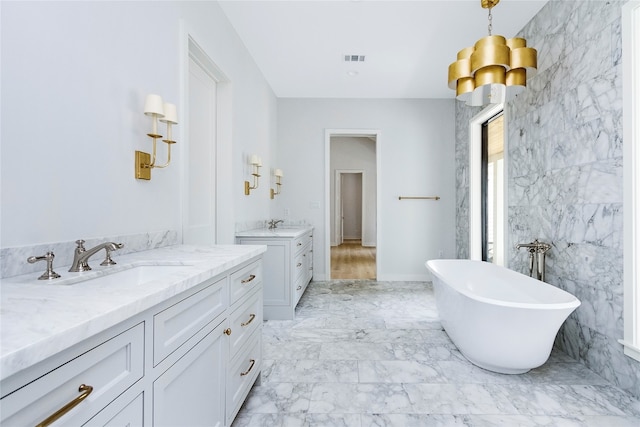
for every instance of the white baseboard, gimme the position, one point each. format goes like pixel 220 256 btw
pixel 405 278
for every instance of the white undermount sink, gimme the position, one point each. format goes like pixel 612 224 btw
pixel 135 275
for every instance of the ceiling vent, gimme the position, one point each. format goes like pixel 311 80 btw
pixel 354 58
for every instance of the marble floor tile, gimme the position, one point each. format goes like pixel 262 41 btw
pixel 399 371
pixel 311 371
pixel 368 353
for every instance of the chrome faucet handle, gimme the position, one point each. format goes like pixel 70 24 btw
pixel 49 274
pixel 108 250
pixel 83 266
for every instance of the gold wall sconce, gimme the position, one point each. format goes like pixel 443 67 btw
pixel 256 164
pixel 278 174
pixel 166 113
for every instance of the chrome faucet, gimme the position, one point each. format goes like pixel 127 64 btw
pixel 537 251
pixel 49 274
pixel 81 255
pixel 274 223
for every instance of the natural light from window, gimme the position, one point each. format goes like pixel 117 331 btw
pixel 631 112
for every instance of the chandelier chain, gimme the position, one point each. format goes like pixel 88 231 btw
pixel 490 26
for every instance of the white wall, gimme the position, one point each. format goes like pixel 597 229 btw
pixel 74 79
pixel 416 147
pixel 356 153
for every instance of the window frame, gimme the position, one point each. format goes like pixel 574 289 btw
pixel 631 168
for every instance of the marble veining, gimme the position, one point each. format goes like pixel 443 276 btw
pixel 40 318
pixel 370 353
pixel 13 261
pixel 564 163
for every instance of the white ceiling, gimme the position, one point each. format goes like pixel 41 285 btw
pixel 300 45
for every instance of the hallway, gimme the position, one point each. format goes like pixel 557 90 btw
pixel 370 353
pixel 351 260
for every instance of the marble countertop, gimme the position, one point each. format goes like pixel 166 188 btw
pixel 276 232
pixel 41 318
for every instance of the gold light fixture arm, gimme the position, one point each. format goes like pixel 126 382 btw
pixel 255 163
pixel 247 185
pixel 158 111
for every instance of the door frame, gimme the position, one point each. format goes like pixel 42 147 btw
pixel 328 133
pixel 190 48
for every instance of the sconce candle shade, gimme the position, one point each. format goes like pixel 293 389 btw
pixel 154 107
pixel 494 70
pixel 278 173
pixel 170 114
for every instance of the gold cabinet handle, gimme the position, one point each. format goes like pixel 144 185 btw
pixel 251 277
pixel 85 390
pixel 251 317
pixel 227 331
pixel 253 362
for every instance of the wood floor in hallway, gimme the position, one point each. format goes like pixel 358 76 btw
pixel 351 260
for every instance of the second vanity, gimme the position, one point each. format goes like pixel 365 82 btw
pixel 288 266
pixel 181 347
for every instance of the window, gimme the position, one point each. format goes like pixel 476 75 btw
pixel 492 171
pixel 487 227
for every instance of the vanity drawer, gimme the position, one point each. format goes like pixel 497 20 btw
pixel 243 374
pixel 300 286
pixel 173 326
pixel 109 368
pixel 244 321
pixel 245 280
pixel 299 265
pixel 300 242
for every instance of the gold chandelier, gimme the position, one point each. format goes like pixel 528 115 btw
pixel 494 70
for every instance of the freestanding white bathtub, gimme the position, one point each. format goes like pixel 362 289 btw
pixel 499 319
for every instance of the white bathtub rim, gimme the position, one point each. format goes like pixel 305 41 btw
pixel 572 304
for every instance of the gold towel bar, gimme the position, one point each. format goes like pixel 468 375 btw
pixel 421 198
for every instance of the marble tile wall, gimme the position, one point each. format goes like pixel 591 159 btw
pixel 565 175
pixel 13 261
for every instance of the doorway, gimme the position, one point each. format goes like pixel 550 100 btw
pixel 352 193
pixel 207 125
pixel 349 212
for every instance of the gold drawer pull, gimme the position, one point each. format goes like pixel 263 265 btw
pixel 253 362
pixel 227 331
pixel 85 391
pixel 253 276
pixel 251 317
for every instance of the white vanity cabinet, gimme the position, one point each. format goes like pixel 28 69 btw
pixel 109 368
pixel 190 360
pixel 287 264
pixel 245 336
